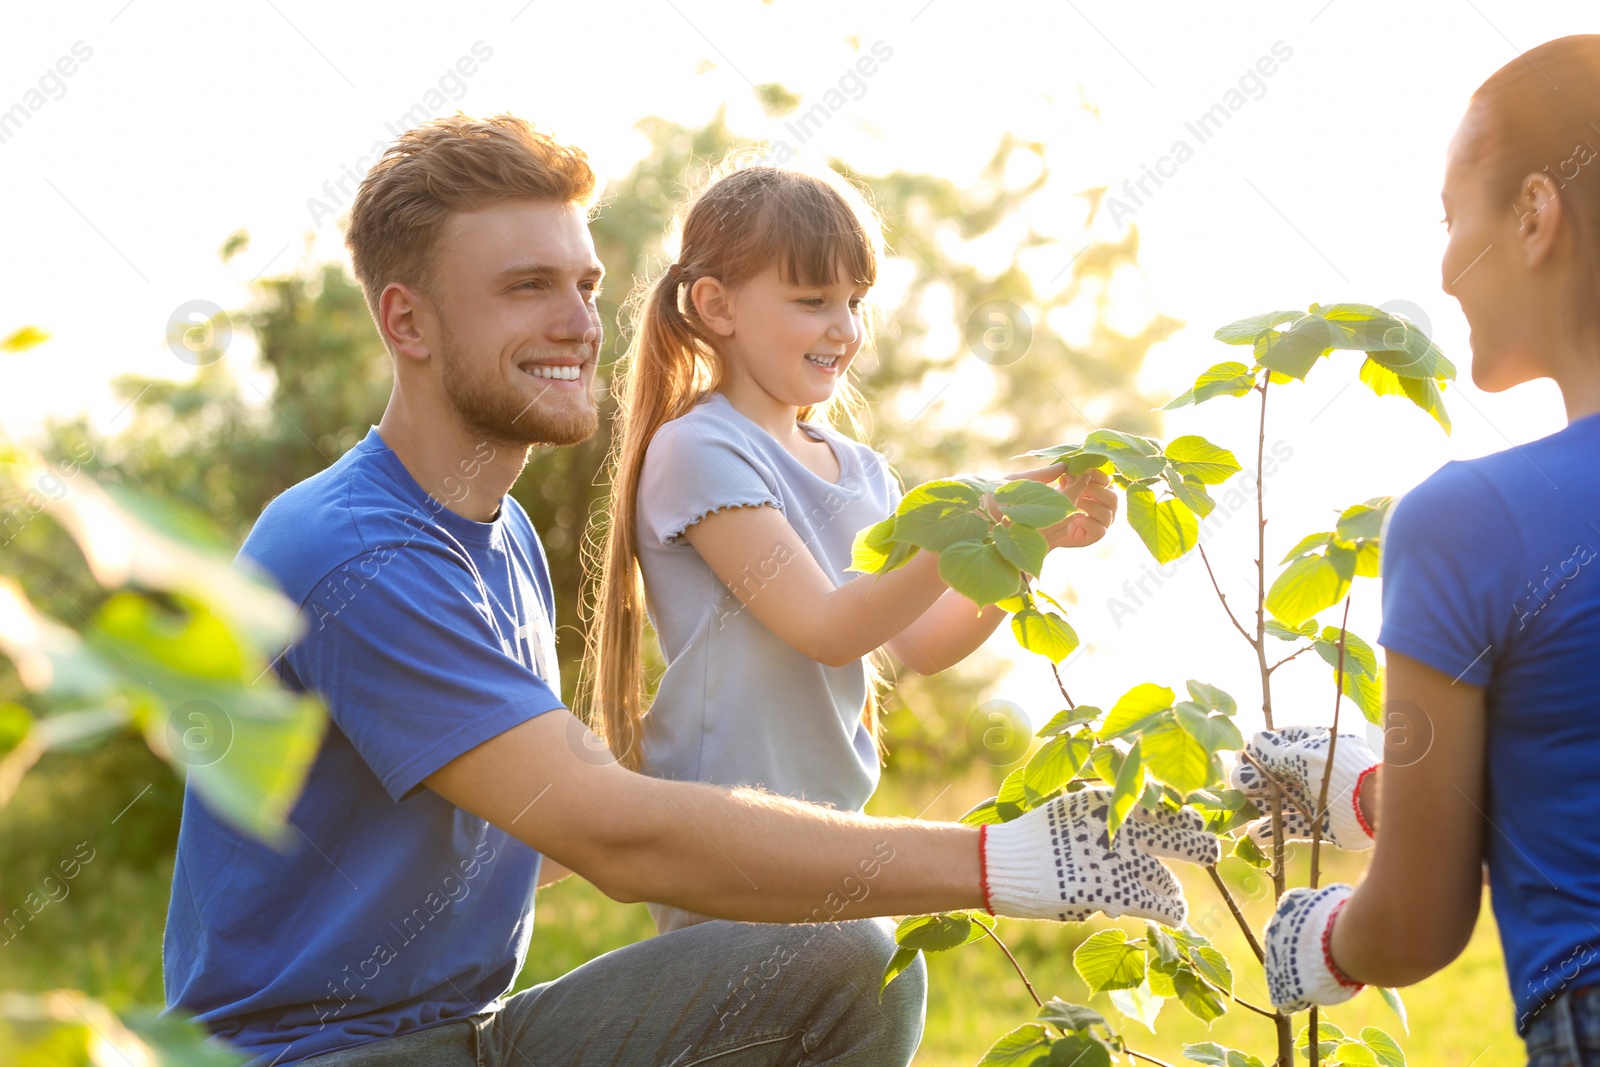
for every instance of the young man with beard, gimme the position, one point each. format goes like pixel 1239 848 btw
pixel 392 929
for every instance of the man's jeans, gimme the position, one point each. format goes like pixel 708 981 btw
pixel 721 993
pixel 1566 1032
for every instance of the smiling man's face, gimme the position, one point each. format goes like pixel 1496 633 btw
pixel 518 329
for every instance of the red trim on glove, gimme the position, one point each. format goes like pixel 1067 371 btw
pixel 983 866
pixel 1327 952
pixel 1355 800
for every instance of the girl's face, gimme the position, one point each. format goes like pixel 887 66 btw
pixel 1510 307
pixel 794 342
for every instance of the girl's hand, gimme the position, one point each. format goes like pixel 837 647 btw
pixel 1090 491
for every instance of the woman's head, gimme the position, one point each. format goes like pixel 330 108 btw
pixel 764 251
pixel 1522 200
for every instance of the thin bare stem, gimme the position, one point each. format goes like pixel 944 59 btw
pixel 1224 597
pixel 1292 655
pixel 1333 741
pixel 1258 1009
pixel 1015 964
pixel 1147 1059
pixel 1238 915
pixel 1055 670
pixel 1278 786
pixel 1315 1029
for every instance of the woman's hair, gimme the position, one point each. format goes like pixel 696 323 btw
pixel 444 166
pixel 1537 111
pixel 814 226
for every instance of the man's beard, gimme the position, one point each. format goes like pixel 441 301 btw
pixel 485 404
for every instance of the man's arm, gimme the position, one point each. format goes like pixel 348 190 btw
pixel 738 854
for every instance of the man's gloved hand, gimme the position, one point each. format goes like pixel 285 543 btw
pixel 1056 862
pixel 1297 755
pixel 1300 967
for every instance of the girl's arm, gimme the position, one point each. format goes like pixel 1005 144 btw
pixel 837 625
pixel 954 627
pixel 1414 911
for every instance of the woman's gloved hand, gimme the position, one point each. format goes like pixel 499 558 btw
pixel 1297 757
pixel 1057 862
pixel 1299 956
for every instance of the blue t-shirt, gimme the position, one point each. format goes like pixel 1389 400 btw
pixel 426 634
pixel 1491 574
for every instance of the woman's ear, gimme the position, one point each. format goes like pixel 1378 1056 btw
pixel 713 303
pixel 1539 218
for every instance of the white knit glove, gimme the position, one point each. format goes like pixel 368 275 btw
pixel 1056 862
pixel 1296 755
pixel 1300 967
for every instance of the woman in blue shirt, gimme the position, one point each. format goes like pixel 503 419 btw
pixel 1491 612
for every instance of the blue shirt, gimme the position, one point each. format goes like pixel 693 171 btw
pixel 426 634
pixel 1491 574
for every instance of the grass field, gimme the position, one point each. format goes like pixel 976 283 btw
pixel 105 935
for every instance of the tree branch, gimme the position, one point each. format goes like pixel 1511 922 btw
pixel 1147 1059
pixel 1277 784
pixel 1061 685
pixel 1238 916
pixel 1286 659
pixel 1223 597
pixel 1015 964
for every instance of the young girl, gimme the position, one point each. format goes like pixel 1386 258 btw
pixel 1491 612
pixel 737 503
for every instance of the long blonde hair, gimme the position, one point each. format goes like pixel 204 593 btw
pixel 813 225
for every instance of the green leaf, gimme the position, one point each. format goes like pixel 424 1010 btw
pixel 1328 1035
pixel 1387 1050
pixel 1198 458
pixel 1364 521
pixel 1363 677
pixel 1022 546
pixel 1125 793
pixel 1246 849
pixel 1213 967
pixel 1139 1003
pixel 1422 392
pixel 1020 1048
pixel 1044 632
pixel 24 338
pixel 1168 528
pixel 1133 456
pixel 1175 757
pixel 1309 585
pixel 1032 503
pixel 1284 633
pixel 947 930
pixel 1133 708
pixel 48 657
pixel 1200 999
pixel 978 571
pixel 1191 493
pixel 1216 733
pixel 870 552
pixel 1069 1016
pixel 1166 948
pixel 1224 379
pixel 1308 545
pixel 15 723
pixel 1210 1052
pixel 1296 350
pixel 1391 997
pixel 902 958
pixel 1352 1054
pixel 1079 1050
pixel 1412 354
pixel 1211 697
pixel 1362 327
pixel 1247 331
pixel 986 813
pixel 1067 718
pixel 1056 763
pixel 937 513
pixel 1106 760
pixel 1106 961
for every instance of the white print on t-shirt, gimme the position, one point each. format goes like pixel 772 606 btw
pixel 1581 554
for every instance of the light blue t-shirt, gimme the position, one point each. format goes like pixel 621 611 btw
pixel 390 910
pixel 1491 574
pixel 737 704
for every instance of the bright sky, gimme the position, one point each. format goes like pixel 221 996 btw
pixel 180 123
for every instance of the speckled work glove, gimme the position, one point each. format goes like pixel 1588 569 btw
pixel 1297 756
pixel 1300 967
pixel 1056 862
